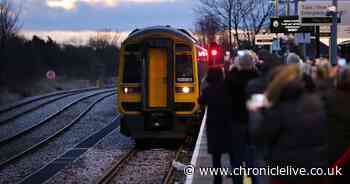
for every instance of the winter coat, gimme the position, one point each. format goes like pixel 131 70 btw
pixel 237 81
pixel 337 103
pixel 295 133
pixel 219 119
pixel 257 85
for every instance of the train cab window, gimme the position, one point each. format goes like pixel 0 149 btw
pixel 132 68
pixel 184 68
pixel 182 48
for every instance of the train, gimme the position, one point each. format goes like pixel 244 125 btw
pixel 159 81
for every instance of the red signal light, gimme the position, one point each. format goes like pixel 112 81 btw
pixel 214 52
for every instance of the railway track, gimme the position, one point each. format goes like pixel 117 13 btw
pixel 114 170
pixel 169 177
pixel 71 155
pixel 110 175
pixel 15 110
pixel 48 118
pixel 37 145
pixel 5 108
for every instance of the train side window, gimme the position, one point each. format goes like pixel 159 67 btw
pixel 132 68
pixel 184 68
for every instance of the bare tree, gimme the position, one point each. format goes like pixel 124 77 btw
pixel 105 38
pixel 9 18
pixel 208 26
pixel 255 21
pixel 230 13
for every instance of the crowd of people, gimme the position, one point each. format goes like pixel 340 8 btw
pixel 264 111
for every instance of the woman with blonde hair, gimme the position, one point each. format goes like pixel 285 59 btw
pixel 293 126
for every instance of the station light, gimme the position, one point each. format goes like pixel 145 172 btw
pixel 202 55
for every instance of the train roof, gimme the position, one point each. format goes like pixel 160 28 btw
pixel 178 32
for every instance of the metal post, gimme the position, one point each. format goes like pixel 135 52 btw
pixel 333 55
pixel 318 42
pixel 296 7
pixel 277 6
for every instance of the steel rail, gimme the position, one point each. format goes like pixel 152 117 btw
pixel 115 168
pixel 169 177
pixel 48 118
pixel 9 107
pixel 57 133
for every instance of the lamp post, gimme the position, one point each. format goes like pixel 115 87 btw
pixel 334 49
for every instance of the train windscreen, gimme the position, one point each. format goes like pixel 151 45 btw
pixel 184 68
pixel 132 68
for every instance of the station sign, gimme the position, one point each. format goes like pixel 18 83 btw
pixel 289 24
pixel 264 39
pixel 325 31
pixel 317 20
pixel 316 12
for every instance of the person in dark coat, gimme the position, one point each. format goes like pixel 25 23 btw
pixel 238 77
pixel 293 127
pixel 240 74
pixel 337 102
pixel 266 65
pixel 219 120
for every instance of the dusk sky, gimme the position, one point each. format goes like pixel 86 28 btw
pixel 124 15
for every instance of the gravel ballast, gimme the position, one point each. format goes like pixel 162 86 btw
pixel 101 114
pixel 95 161
pixel 46 130
pixel 22 109
pixel 147 167
pixel 28 120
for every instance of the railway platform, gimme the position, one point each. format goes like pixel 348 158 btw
pixel 201 159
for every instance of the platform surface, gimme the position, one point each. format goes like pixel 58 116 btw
pixel 202 159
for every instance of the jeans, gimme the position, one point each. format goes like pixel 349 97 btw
pixel 236 159
pixel 257 161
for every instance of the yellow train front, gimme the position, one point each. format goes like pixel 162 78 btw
pixel 159 77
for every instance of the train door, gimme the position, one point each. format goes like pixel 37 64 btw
pixel 157 80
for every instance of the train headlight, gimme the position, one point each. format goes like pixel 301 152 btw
pixel 131 90
pixel 184 89
pixel 126 90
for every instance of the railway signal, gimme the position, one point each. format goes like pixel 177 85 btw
pixel 51 75
pixel 214 53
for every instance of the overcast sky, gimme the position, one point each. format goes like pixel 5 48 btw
pixel 124 15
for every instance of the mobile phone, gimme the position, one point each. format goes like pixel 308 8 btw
pixel 240 53
pixel 342 62
pixel 258 99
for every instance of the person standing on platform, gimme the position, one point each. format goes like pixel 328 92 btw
pixel 293 127
pixel 219 120
pixel 243 71
pixel 337 103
